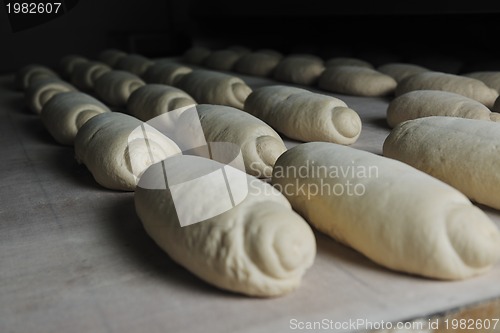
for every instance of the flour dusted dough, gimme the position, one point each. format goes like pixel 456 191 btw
pixel 114 87
pixel 394 214
pixel 259 248
pixel 134 63
pixel 43 89
pixel 259 143
pixel 466 86
pixel 490 78
pixel 28 74
pixel 111 56
pixel 196 55
pixel 165 73
pixel 461 152
pixel 152 100
pixel 347 61
pixel 303 115
pixel 66 112
pixel 116 148
pixel 399 71
pixel 425 103
pixel 299 69
pixel 357 81
pixel 85 74
pixel 67 64
pixel 260 63
pixel 212 87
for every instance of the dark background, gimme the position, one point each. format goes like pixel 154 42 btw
pixel 379 31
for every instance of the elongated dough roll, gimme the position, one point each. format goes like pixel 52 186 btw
pixel 461 152
pixel 85 74
pixel 115 87
pixel 67 64
pixel 466 86
pixel 152 100
pixel 196 55
pixel 134 63
pixel 211 87
pixel 357 81
pixel 396 215
pixel 66 112
pixel 222 60
pixel 399 71
pixel 259 63
pixel 302 115
pixel 299 69
pixel 165 73
pixel 28 74
pixel 111 56
pixel 259 143
pixel 347 61
pixel 426 103
pixel 259 247
pixel 490 78
pixel 116 148
pixel 43 89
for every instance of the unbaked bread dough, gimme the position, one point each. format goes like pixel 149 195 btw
pixel 85 74
pixel 196 55
pixel 303 115
pixel 114 87
pixel 259 143
pixel 347 61
pixel 134 63
pixel 222 60
pixel 165 73
pixel 66 112
pixel 357 81
pixel 259 248
pixel 299 69
pixel 212 87
pixel 260 63
pixel 117 148
pixel 152 100
pixel 28 74
pixel 466 86
pixel 461 152
pixel 43 89
pixel 425 103
pixel 111 56
pixel 399 71
pixel 490 78
pixel 67 64
pixel 396 215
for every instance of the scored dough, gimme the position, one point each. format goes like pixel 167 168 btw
pixel 259 143
pixel 66 112
pixel 134 63
pixel 165 73
pixel 299 69
pixel 357 81
pixel 466 86
pixel 28 74
pixel 43 89
pixel 425 103
pixel 399 71
pixel 461 152
pixel 303 115
pixel 85 74
pixel 115 87
pixel 259 248
pixel 152 100
pixel 212 87
pixel 396 215
pixel 116 148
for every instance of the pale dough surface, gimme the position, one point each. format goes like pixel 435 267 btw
pixel 490 78
pixel 67 64
pixel 165 73
pixel 260 63
pixel 461 152
pixel 259 247
pixel 347 61
pixel 399 71
pixel 111 56
pixel 222 60
pixel 43 89
pixel 85 74
pixel 196 55
pixel 399 217
pixel 115 87
pixel 134 63
pixel 28 74
pixel 303 115
pixel 299 69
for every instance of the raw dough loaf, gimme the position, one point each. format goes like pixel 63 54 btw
pixel 111 56
pixel 347 61
pixel 466 86
pixel 490 78
pixel 357 81
pixel 196 55
pixel 396 215
pixel 259 248
pixel 303 115
pixel 299 69
pixel 496 108
pixel 114 87
pixel 85 74
pixel 152 100
pixel 165 73
pixel 66 112
pixel 399 71
pixel 222 60
pixel 211 87
pixel 259 63
pixel 134 63
pixel 67 64
pixel 461 152
pixel 117 148
pixel 43 89
pixel 259 143
pixel 425 103
pixel 32 72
